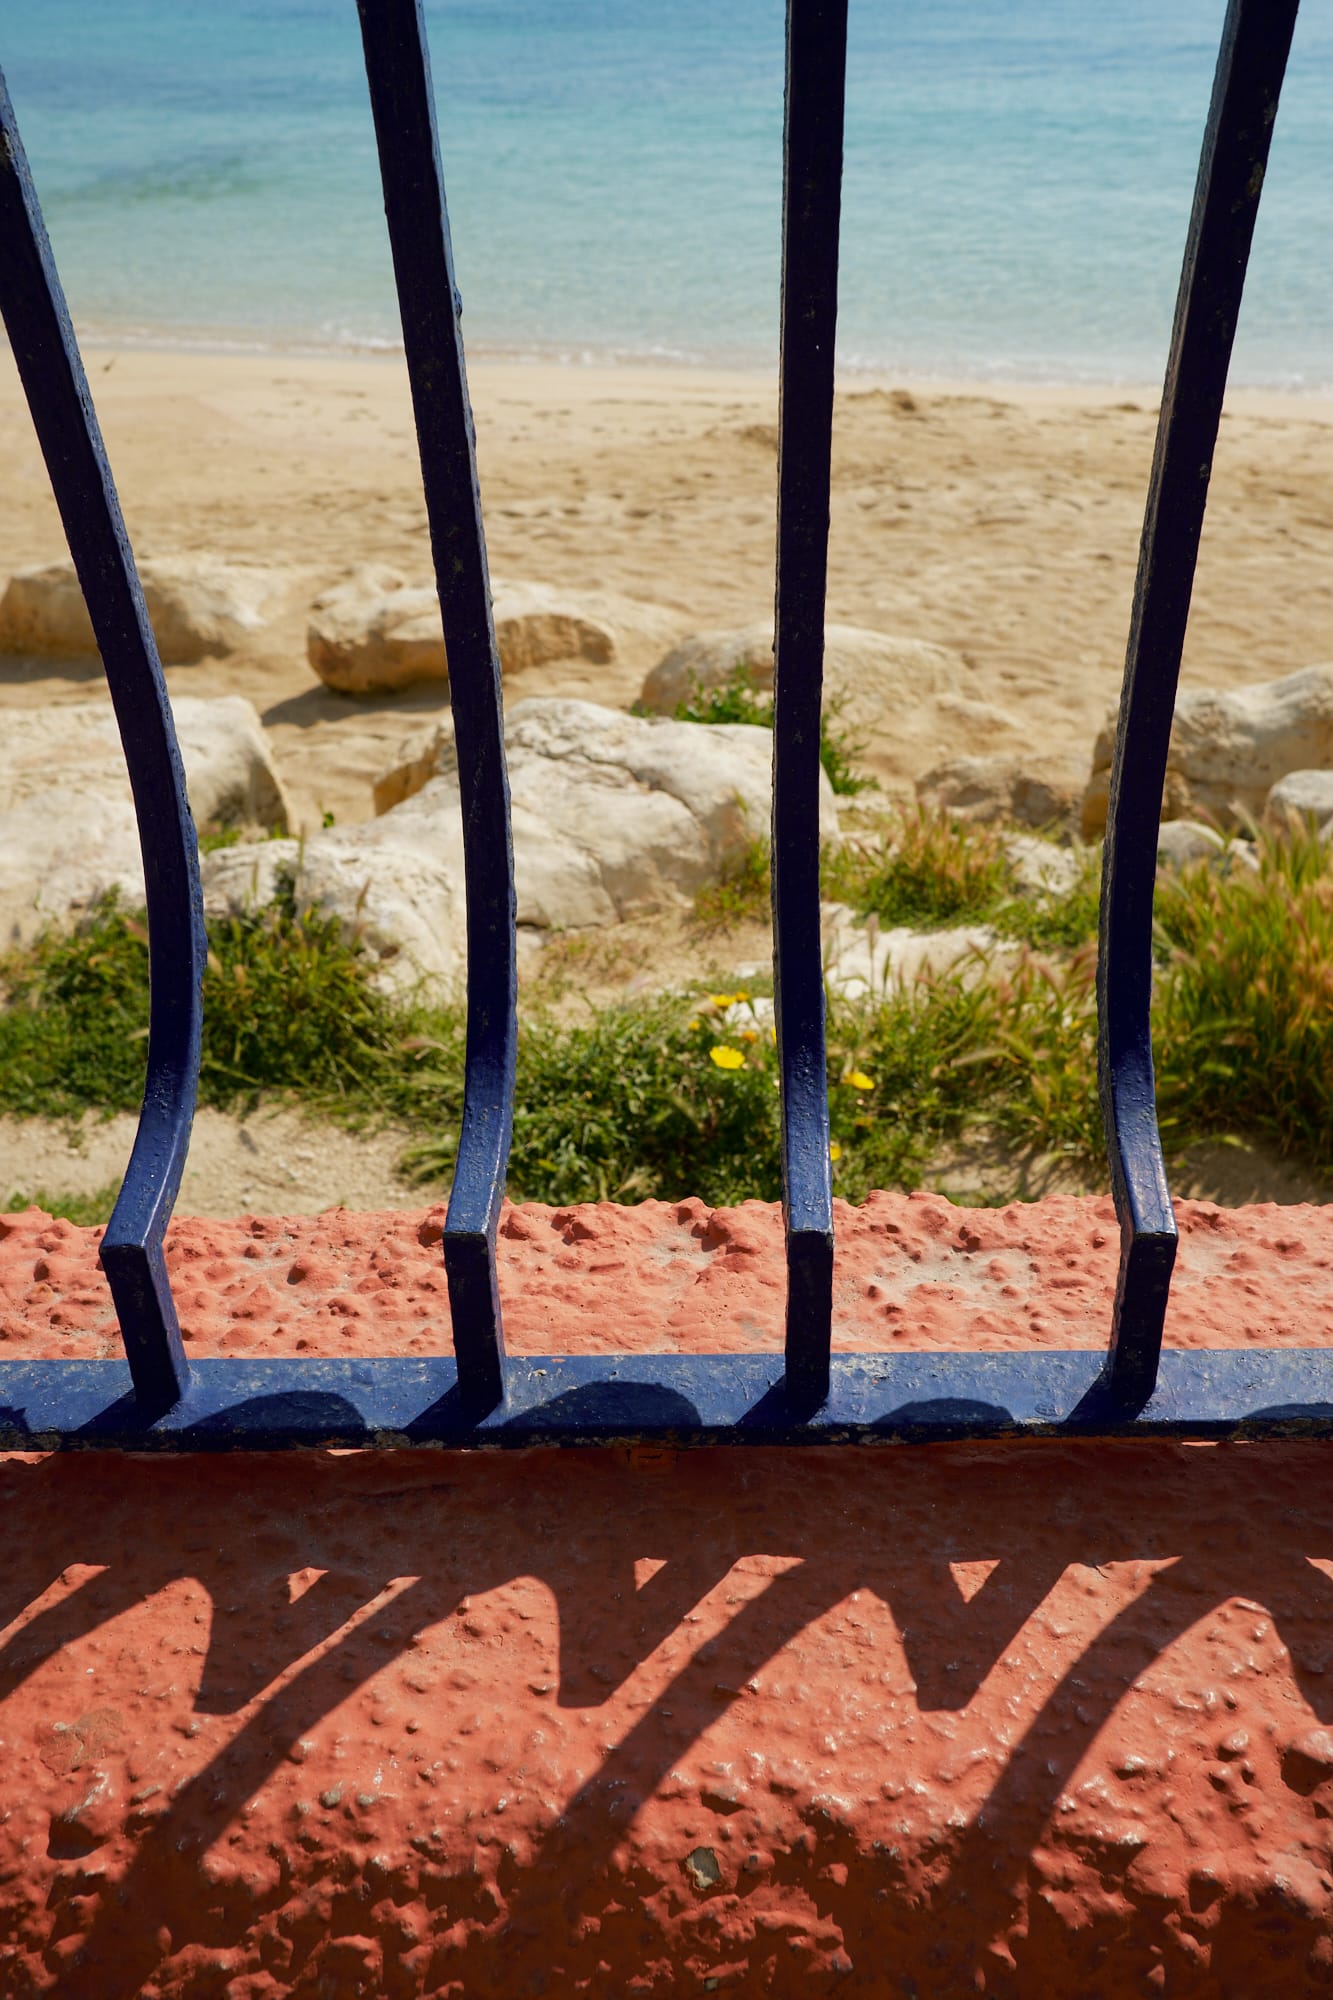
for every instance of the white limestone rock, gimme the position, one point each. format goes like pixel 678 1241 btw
pixel 198 607
pixel 863 961
pixel 1181 842
pixel 1039 867
pixel 61 851
pixel 421 756
pixel 1229 750
pixel 68 834
pixel 373 633
pixel 903 701
pixel 397 890
pixel 535 624
pixel 229 770
pixel 612 814
pixel 994 788
pixel 1304 795
pixel 363 638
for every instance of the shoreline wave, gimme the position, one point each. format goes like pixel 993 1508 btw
pixel 999 375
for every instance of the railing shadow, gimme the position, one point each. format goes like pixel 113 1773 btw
pixel 822 1528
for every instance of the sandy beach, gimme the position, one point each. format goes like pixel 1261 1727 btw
pixel 1001 524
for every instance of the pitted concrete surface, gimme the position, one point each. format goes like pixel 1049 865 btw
pixel 1002 1719
pixel 911 1271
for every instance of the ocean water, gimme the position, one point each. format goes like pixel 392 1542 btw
pixel 1018 179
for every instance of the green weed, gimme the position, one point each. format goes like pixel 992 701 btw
pixel 643 1100
pixel 743 894
pixel 669 1098
pixel 287 1007
pixel 739 699
pixel 85 1211
pixel 924 870
pixel 1245 997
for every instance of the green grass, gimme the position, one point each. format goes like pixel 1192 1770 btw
pixel 86 1211
pixel 1055 922
pixel 1245 1011
pixel 632 1104
pixel 926 870
pixel 287 1007
pixel 633 1101
pixel 738 699
pixel 743 894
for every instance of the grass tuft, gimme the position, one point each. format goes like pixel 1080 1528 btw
pixel 672 1097
pixel 287 1008
pixel 924 870
pixel 738 699
pixel 743 895
pixel 1245 997
pixel 85 1211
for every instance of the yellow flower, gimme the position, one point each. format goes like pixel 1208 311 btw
pixel 835 1150
pixel 690 1026
pixel 726 1058
pixel 723 999
pixel 859 1080
pixel 749 1035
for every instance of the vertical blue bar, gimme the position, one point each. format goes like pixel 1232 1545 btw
pixel 37 321
pixel 1256 38
pixel 812 189
pixel 393 35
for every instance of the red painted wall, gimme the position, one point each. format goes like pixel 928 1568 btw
pixel 1009 1720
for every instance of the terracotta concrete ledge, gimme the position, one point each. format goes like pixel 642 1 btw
pixel 1007 1720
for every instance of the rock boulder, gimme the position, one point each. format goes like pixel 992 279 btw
pixel 68 834
pixel 1229 750
pixel 373 633
pixel 865 961
pixel 395 887
pixel 198 607
pixel 1182 842
pixel 983 789
pixel 901 703
pixel 612 814
pixel 1302 795
pixel 421 756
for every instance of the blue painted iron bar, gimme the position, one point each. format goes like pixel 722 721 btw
pixel 1256 39
pixel 679 1400
pixel 393 34
pixel 812 188
pixel 47 355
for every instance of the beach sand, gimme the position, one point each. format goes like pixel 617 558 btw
pixel 1003 525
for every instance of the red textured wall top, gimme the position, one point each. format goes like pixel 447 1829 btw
pixel 910 1271
pixel 1004 1719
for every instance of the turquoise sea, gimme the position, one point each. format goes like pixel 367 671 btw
pixel 1018 179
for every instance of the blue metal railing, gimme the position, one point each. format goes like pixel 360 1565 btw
pixel 1256 39
pixel 805 1393
pixel 398 69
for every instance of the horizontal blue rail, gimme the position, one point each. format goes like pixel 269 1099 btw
pixel 807 1394
pixel 675 1400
